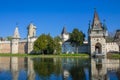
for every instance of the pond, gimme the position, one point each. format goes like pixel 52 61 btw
pixel 26 68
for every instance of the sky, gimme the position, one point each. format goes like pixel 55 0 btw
pixel 50 16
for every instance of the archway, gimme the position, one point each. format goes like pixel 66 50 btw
pixel 98 48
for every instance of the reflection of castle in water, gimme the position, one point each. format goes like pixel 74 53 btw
pixel 59 68
pixel 102 68
pixel 17 66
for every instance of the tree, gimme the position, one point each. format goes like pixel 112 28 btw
pixel 40 44
pixel 50 45
pixel 110 37
pixel 77 38
pixel 9 38
pixel 57 44
pixel 117 38
pixel 45 44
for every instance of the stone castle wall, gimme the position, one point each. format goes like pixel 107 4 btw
pixel 112 47
pixel 5 46
pixel 83 48
pixel 22 47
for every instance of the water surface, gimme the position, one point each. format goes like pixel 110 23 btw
pixel 20 68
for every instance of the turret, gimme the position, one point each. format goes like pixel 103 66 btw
pixel 15 41
pixel 64 35
pixel 97 29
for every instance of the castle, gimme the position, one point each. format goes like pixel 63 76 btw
pixel 17 45
pixel 96 43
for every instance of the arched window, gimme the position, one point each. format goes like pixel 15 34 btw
pixel 98 48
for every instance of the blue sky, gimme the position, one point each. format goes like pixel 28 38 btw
pixel 50 16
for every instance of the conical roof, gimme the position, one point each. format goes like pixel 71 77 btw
pixel 16 33
pixel 96 22
pixel 64 31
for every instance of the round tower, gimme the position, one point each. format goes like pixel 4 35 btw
pixel 15 41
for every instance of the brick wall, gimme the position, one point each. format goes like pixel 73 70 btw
pixel 22 48
pixel 5 47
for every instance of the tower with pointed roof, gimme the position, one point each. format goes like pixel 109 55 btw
pixel 64 35
pixel 31 37
pixel 97 36
pixel 15 41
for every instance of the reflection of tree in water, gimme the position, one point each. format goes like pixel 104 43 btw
pixel 77 73
pixel 44 67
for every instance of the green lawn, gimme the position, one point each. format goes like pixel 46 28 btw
pixel 113 55
pixel 61 55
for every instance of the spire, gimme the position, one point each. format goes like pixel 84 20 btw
pixel 89 26
pixel 16 33
pixel 64 31
pixel 104 25
pixel 96 22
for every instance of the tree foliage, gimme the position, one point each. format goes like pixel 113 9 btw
pixel 110 37
pixel 57 48
pixel 9 38
pixel 77 38
pixel 45 44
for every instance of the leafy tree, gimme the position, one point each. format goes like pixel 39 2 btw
pixel 77 38
pixel 110 37
pixel 50 45
pixel 117 38
pixel 57 45
pixel 45 44
pixel 41 43
pixel 9 38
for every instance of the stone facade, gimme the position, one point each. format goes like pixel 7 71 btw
pixel 17 45
pixel 101 67
pixel 5 46
pixel 96 44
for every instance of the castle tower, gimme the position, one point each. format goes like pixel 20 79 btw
pixel 64 35
pixel 15 41
pixel 31 37
pixel 97 34
pixel 31 30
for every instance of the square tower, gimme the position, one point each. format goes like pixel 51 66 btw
pixel 97 33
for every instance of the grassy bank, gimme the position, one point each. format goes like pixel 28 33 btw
pixel 48 56
pixel 115 56
pixel 75 55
